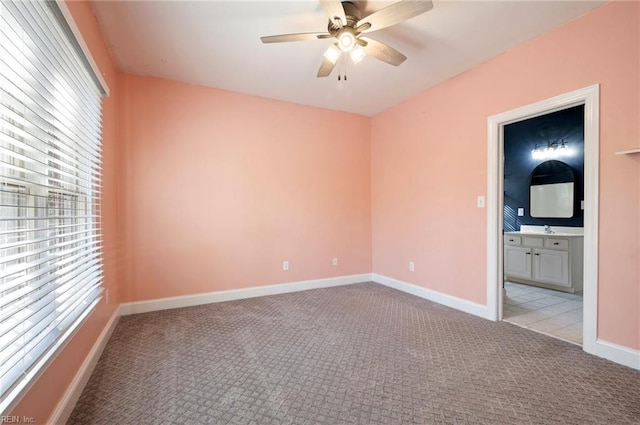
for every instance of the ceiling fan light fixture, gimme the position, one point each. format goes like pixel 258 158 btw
pixel 332 54
pixel 346 41
pixel 357 54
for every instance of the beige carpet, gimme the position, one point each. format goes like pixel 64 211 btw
pixel 357 354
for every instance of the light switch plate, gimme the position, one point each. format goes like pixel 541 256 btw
pixel 480 201
pixel 520 212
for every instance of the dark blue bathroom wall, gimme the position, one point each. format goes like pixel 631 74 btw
pixel 519 140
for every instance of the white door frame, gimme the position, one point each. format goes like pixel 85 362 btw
pixel 590 98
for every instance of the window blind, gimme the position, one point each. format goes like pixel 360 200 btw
pixel 50 185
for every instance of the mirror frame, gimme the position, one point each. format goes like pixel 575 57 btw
pixel 550 175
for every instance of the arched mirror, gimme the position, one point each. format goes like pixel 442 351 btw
pixel 552 190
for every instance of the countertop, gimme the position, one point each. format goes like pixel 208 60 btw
pixel 557 234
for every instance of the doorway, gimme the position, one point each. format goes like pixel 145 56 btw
pixel 543 223
pixel 589 97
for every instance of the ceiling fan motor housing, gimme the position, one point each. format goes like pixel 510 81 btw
pixel 352 13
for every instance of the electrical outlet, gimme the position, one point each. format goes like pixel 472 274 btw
pixel 412 266
pixel 480 201
pixel 335 261
pixel 520 212
pixel 285 265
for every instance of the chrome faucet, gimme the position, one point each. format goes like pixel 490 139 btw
pixel 547 229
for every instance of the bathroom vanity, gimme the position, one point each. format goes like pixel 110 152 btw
pixel 551 260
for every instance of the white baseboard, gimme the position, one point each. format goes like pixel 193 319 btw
pixel 237 294
pixel 438 297
pixel 71 396
pixel 617 353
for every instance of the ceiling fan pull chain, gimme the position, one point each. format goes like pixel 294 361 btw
pixel 343 65
pixel 346 66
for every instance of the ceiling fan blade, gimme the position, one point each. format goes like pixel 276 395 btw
pixel 302 36
pixel 335 11
pixel 383 52
pixel 394 14
pixel 325 68
pixel 327 65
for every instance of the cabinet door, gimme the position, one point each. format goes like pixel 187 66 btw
pixel 517 262
pixel 551 266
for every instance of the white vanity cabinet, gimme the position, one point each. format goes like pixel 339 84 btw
pixel 517 259
pixel 547 260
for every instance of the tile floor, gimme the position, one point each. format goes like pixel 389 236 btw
pixel 554 313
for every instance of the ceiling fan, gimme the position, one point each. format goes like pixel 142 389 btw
pixel 347 27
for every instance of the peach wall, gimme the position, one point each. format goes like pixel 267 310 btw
pixel 47 391
pixel 220 188
pixel 238 183
pixel 429 158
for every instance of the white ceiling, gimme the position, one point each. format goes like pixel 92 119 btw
pixel 217 44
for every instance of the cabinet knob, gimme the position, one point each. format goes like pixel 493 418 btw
pixel 537 253
pixel 528 253
pixel 556 243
